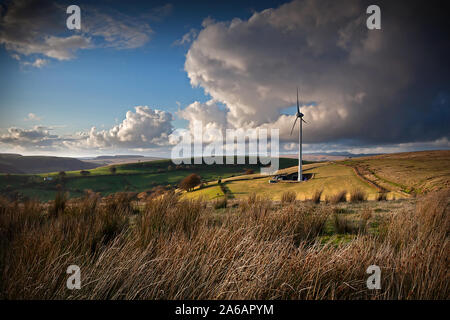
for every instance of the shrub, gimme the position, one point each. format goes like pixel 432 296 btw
pixel 288 197
pixel 112 169
pixel 339 197
pixel 358 195
pixel 382 196
pixel 249 171
pixel 343 225
pixel 85 172
pixel 59 204
pixel 220 203
pixel 190 182
pixel 316 196
pixel 366 214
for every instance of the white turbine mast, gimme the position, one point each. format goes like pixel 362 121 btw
pixel 300 136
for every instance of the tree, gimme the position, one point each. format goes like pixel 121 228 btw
pixel 190 182
pixel 112 170
pixel 85 172
pixel 249 171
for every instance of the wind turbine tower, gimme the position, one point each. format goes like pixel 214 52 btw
pixel 299 115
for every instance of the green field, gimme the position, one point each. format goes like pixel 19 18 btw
pixel 135 177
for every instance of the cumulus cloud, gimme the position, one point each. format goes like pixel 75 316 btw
pixel 208 113
pixel 143 128
pixel 38 27
pixel 37 137
pixel 358 86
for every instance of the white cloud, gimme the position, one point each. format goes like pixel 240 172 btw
pixel 208 113
pixel 144 128
pixel 37 137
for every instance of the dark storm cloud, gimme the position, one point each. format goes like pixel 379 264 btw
pixel 367 86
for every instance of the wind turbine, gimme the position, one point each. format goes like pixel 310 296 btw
pixel 299 115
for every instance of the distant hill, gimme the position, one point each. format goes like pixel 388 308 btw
pixel 16 163
pixel 329 156
pixel 118 159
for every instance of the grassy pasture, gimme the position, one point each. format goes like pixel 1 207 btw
pixel 399 175
pixel 331 178
pixel 409 172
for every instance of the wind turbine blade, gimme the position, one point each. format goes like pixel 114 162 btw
pixel 304 121
pixel 298 105
pixel 294 125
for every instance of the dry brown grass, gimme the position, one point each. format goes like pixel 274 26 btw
pixel 338 197
pixel 288 197
pixel 317 195
pixel 176 249
pixel 382 196
pixel 358 195
pixel 220 203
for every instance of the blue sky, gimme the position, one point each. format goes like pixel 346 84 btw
pixel 127 74
pixel 105 83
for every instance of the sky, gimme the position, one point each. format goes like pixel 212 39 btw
pixel 136 71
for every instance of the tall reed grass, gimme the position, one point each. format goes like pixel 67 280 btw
pixel 173 249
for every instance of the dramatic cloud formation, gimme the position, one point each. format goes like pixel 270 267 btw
pixel 358 86
pixel 39 27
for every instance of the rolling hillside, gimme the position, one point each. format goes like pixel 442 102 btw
pixel 399 175
pixel 18 164
pixel 409 172
pixel 133 177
